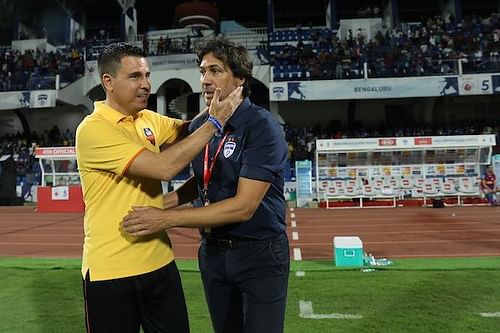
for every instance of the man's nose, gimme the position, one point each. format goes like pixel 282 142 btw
pixel 206 78
pixel 146 83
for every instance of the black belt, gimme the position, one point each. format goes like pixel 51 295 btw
pixel 226 243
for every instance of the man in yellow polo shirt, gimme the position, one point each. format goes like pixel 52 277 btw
pixel 129 281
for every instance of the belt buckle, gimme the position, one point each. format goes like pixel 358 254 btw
pixel 224 244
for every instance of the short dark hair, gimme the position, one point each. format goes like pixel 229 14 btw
pixel 231 54
pixel 109 60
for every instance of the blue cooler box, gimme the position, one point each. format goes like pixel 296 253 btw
pixel 348 251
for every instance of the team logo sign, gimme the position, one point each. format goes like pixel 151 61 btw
pixel 229 148
pixel 278 91
pixel 42 99
pixel 149 136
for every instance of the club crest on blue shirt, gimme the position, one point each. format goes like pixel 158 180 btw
pixel 148 133
pixel 229 147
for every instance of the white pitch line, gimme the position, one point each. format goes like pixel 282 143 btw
pixel 489 314
pixel 292 216
pixel 295 235
pixel 307 312
pixel 297 254
pixel 294 224
pixel 300 274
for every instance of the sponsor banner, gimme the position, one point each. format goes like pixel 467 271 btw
pixel 60 193
pixel 422 141
pixel 495 83
pixel 51 152
pixel 475 85
pixel 279 92
pixel 28 99
pixel 455 141
pixel 303 172
pixel 43 98
pixel 91 67
pixel 14 100
pixel 387 142
pixel 173 61
pixel 364 89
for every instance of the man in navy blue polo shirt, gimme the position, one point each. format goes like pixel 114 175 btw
pixel 238 181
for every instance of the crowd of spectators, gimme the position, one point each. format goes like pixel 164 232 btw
pixel 36 69
pixel 21 147
pixel 302 140
pixel 430 47
pixel 166 45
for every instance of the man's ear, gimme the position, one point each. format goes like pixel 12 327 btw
pixel 239 81
pixel 106 82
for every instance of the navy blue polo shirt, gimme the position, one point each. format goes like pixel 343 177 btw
pixel 255 148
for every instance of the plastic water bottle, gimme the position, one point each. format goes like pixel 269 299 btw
pixel 372 259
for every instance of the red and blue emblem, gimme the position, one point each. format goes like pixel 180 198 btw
pixel 150 136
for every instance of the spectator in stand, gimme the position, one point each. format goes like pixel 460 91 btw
pixel 489 185
pixel 430 48
pixel 160 46
pixel 35 69
pixel 188 44
pixel 145 44
pixel 168 45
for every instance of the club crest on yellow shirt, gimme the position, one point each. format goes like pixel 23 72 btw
pixel 148 133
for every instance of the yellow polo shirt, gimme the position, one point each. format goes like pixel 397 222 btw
pixel 106 144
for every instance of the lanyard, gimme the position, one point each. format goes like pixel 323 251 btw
pixel 207 171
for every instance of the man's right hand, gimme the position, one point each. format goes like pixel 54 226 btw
pixel 223 110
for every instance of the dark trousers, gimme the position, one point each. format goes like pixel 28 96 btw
pixel 154 300
pixel 246 284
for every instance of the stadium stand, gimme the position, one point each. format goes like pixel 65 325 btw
pixel 430 47
pixel 436 44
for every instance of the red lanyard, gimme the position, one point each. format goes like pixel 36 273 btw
pixel 207 171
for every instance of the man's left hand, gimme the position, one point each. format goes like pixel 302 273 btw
pixel 142 221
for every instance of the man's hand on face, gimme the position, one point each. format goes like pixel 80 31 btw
pixel 223 110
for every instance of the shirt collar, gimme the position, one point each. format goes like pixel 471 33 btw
pixel 109 113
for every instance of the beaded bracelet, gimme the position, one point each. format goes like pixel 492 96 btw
pixel 216 123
